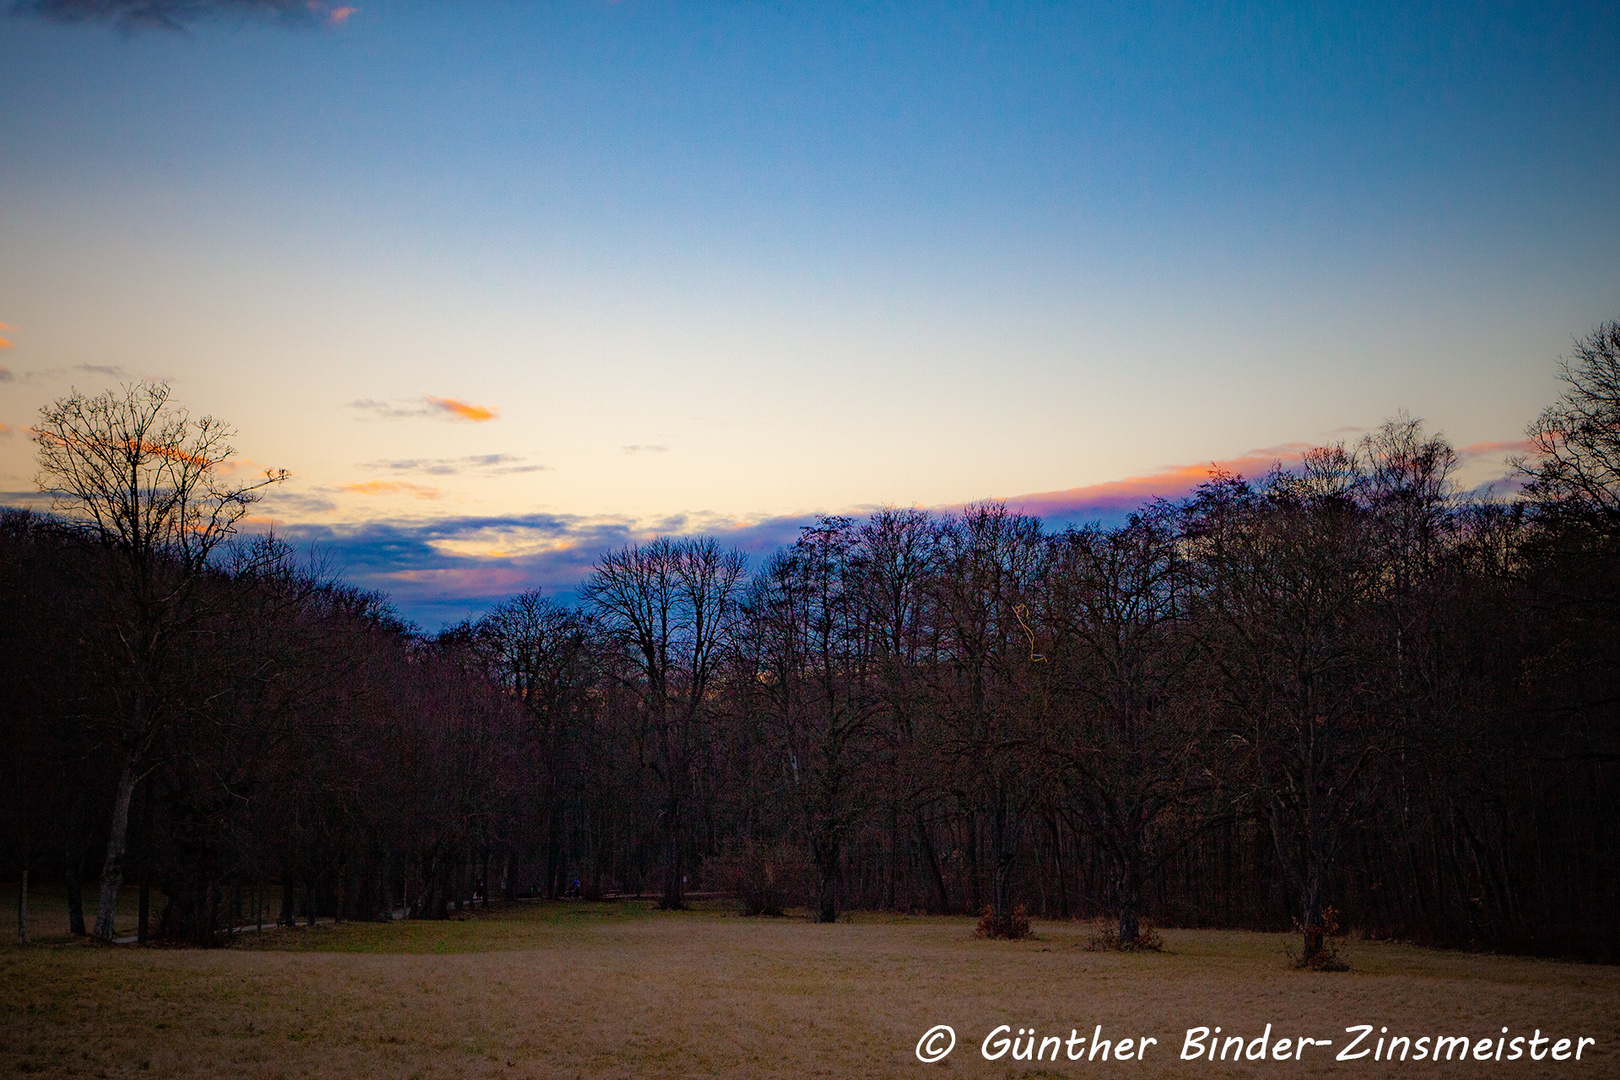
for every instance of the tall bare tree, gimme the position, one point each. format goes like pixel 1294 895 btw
pixel 1576 440
pixel 152 486
pixel 1116 601
pixel 541 654
pixel 813 658
pixel 991 565
pixel 1286 573
pixel 668 606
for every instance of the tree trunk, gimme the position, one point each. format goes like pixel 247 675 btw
pixel 75 900
pixel 1130 899
pixel 1004 842
pixel 112 871
pixel 1313 919
pixel 827 911
pixel 1057 863
pixel 146 862
pixel 827 861
pixel 934 870
pixel 22 909
pixel 674 898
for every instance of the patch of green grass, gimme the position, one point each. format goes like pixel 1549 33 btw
pixel 510 927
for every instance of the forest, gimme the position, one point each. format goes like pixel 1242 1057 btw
pixel 1344 696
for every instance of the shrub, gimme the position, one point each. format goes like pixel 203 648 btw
pixel 1011 928
pixel 764 878
pixel 1105 938
pixel 1327 939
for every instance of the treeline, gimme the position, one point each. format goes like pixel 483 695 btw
pixel 1337 693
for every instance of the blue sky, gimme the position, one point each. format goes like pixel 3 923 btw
pixel 512 279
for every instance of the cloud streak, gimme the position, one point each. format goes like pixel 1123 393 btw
pixel 477 464
pixel 391 487
pixel 131 16
pixel 428 405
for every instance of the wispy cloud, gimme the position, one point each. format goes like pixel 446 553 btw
pixel 484 464
pixel 646 448
pixel 6 375
pixel 5 431
pixel 112 371
pixel 296 504
pixel 391 487
pixel 426 405
pixel 1485 450
pixel 5 343
pixel 130 16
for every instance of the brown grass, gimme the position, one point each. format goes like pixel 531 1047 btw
pixel 617 990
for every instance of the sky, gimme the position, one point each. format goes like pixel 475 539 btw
pixel 505 284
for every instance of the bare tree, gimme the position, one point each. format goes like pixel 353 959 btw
pixel 541 654
pixel 1287 572
pixel 991 565
pixel 1116 602
pixel 151 485
pixel 1576 440
pixel 813 660
pixel 668 606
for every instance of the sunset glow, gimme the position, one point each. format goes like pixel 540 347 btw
pixel 514 283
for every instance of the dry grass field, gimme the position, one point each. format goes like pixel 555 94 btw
pixel 617 990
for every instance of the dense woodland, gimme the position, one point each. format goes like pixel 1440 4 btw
pixel 1343 691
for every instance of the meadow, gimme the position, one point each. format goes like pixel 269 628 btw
pixel 621 990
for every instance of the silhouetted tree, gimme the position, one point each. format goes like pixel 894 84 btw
pixel 147 482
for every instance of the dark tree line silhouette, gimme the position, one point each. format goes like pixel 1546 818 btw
pixel 1342 691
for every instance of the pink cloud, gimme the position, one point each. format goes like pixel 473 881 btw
pixel 1495 449
pixel 1172 482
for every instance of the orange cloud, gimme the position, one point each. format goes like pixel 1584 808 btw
pixel 476 413
pixel 5 343
pixel 331 16
pixel 392 487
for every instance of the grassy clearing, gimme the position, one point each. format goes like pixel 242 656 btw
pixel 619 990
